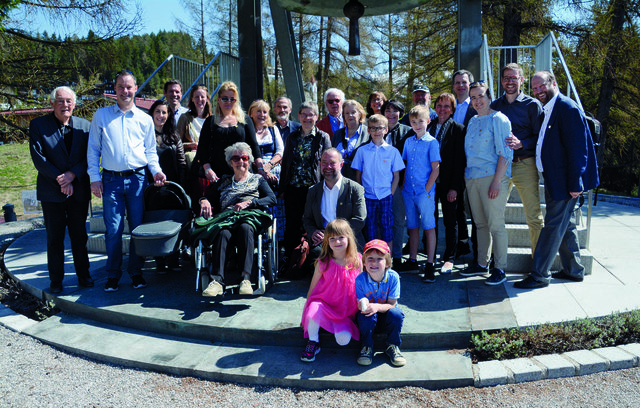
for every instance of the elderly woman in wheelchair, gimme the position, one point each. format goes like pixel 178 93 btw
pixel 234 208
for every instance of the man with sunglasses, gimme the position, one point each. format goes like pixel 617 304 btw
pixel 525 114
pixel 122 141
pixel 566 158
pixel 333 100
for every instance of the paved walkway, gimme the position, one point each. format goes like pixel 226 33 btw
pixel 169 327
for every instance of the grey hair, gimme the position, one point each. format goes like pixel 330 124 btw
pixel 308 105
pixel 237 147
pixel 283 98
pixel 52 97
pixel 333 90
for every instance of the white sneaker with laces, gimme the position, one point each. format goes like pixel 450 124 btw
pixel 214 289
pixel 245 288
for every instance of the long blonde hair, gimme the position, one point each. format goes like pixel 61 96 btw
pixel 261 104
pixel 237 108
pixel 337 227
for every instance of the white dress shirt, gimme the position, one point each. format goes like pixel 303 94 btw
pixel 547 109
pixel 329 202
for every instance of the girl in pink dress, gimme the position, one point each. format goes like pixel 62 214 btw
pixel 331 301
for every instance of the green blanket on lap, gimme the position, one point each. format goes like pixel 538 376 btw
pixel 206 229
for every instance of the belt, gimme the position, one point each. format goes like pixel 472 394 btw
pixel 520 158
pixel 124 173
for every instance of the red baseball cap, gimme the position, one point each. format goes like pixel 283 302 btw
pixel 377 244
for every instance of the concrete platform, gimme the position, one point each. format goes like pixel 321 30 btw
pixel 169 327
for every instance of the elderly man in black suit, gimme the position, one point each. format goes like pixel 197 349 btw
pixel 58 144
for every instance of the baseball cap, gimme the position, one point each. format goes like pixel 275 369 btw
pixel 420 87
pixel 377 244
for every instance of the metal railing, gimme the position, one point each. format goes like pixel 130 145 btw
pixel 532 58
pixel 222 67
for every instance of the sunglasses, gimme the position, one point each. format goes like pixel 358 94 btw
pixel 332 101
pixel 227 99
pixel 236 159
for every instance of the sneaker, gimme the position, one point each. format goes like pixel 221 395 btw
pixel 366 356
pixel 474 270
pixel 497 277
pixel 309 353
pixel 245 288
pixel 447 267
pixel 429 273
pixel 111 285
pixel 138 282
pixel 410 265
pixel 214 289
pixel 395 356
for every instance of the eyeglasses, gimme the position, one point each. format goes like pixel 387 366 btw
pixel 376 128
pixel 332 101
pixel 511 79
pixel 227 99
pixel 236 159
pixel 64 101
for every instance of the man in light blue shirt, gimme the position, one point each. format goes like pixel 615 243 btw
pixel 122 140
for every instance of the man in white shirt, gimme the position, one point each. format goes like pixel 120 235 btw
pixel 122 141
pixel 173 95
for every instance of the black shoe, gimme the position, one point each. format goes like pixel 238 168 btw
pixel 138 282
pixel 55 287
pixel 111 285
pixel 497 277
pixel 396 265
pixel 429 273
pixel 530 283
pixel 410 265
pixel 562 274
pixel 86 282
pixel 405 249
pixel 462 248
pixel 474 270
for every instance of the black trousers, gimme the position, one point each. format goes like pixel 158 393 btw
pixel 69 214
pixel 449 217
pixel 295 199
pixel 244 238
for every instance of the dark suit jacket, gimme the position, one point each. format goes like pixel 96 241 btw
pixel 351 207
pixel 568 157
pixel 51 158
pixel 471 112
pixel 453 160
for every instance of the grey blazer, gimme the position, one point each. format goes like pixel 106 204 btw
pixel 51 158
pixel 351 207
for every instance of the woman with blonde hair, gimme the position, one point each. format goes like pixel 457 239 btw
pixel 269 140
pixel 228 125
pixel 351 136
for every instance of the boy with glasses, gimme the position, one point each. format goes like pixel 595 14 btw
pixel 378 165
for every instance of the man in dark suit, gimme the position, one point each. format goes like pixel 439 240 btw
pixel 334 197
pixel 58 144
pixel 566 158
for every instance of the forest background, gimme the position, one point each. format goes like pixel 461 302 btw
pixel 599 39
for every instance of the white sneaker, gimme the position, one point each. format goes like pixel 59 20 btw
pixel 214 289
pixel 447 267
pixel 245 288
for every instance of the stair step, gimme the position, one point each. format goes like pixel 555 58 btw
pixel 266 365
pixel 519 261
pixel 519 236
pixel 514 213
pixel 96 223
pixel 515 196
pixel 96 244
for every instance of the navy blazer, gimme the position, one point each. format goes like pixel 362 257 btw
pixel 568 157
pixel 453 159
pixel 51 158
pixel 351 207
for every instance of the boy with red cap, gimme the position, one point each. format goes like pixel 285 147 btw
pixel 378 291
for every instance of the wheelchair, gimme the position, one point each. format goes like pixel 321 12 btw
pixel 265 266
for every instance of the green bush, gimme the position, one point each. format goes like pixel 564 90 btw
pixel 612 330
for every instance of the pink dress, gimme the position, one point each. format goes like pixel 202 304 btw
pixel 333 304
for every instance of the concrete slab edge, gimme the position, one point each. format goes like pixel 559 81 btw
pixel 14 321
pixel 579 362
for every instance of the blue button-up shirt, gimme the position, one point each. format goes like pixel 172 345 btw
pixel 485 143
pixel 377 164
pixel 419 154
pixel 461 111
pixel 123 140
pixel 524 113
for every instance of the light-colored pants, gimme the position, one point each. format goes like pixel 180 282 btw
pixel 525 176
pixel 488 215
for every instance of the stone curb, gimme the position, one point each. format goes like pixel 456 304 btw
pixel 580 362
pixel 13 320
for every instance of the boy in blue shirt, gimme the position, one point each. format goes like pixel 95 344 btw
pixel 378 291
pixel 422 155
pixel 378 165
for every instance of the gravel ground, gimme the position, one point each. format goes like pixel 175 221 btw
pixel 34 374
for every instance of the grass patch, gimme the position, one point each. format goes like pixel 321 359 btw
pixel 17 173
pixel 612 330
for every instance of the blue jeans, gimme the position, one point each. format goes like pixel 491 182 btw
pixel 390 322
pixel 120 193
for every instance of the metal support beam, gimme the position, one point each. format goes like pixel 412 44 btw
pixel 286 43
pixel 250 50
pixel 469 35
